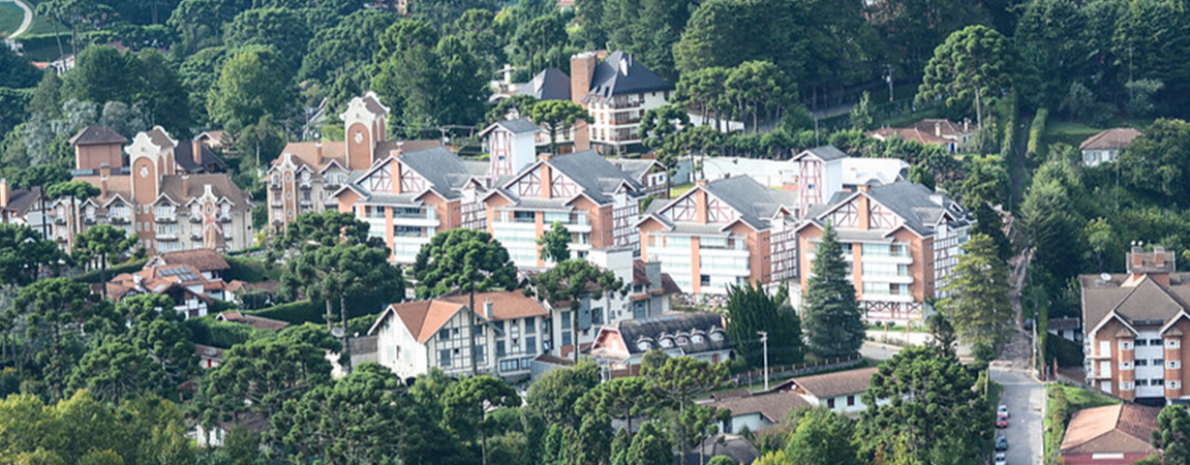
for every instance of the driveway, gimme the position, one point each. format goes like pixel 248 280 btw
pixel 1024 397
pixel 877 351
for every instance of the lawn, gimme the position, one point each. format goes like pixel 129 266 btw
pixel 1077 399
pixel 1068 133
pixel 678 189
pixel 10 18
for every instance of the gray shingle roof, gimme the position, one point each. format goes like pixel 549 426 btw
pixel 441 167
pixel 755 202
pixel 621 74
pixel 549 84
pixel 827 152
pixel 516 126
pixel 920 207
pixel 655 328
pixel 184 156
pixel 598 177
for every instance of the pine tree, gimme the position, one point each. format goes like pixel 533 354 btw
pixel 751 310
pixel 977 294
pixel 830 313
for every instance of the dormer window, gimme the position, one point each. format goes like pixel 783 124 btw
pixel 644 345
pixel 667 342
pixel 716 336
pixel 698 339
pixel 683 341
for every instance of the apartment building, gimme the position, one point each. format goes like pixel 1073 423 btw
pixel 597 202
pixel 723 233
pixel 307 174
pixel 154 196
pixel 408 197
pixel 616 92
pixel 901 241
pixel 509 328
pixel 1135 327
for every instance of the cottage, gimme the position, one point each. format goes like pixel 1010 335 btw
pixel 840 392
pixel 1106 146
pixel 701 335
pixel 1109 435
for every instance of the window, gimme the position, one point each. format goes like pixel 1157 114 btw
pixel 1127 385
pixel 705 280
pixel 566 338
pixel 1142 363
pixel 830 403
pixel 850 401
pixel 597 316
pixel 1158 362
pixel 499 348
pixel 566 319
pixel 1175 384
pixel 531 344
pixel 444 357
pixel 1157 382
pixel 530 327
pixel 1173 344
pixel 444 334
pixel 1154 342
pixel 1125 366
pixel 1173 364
pixel 1142 382
pixel 1142 342
pixel 509 365
pixel 479 353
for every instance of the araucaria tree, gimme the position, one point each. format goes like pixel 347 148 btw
pixel 462 259
pixel 973 64
pixel 751 310
pixel 466 404
pixel 556 115
pixel 976 299
pixel 831 316
pixel 572 281
pixel 555 243
pixel 104 243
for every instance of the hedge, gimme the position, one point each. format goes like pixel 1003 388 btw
pixel 209 331
pixel 92 277
pixel 1036 130
pixel 251 270
pixel 299 312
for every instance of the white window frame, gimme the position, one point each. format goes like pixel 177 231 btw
pixel 1127 385
pixel 1173 343
pixel 1173 364
pixel 1125 366
pixel 1125 345
pixel 1173 384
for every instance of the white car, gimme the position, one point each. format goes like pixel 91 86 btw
pixel 1002 411
pixel 1001 459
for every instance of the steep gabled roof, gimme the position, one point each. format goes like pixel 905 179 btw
pixel 670 324
pixel 549 84
pixel 97 135
pixel 773 406
pixel 755 203
pixel 424 318
pixel 597 176
pixel 515 126
pixel 203 260
pixel 843 383
pixel 1121 428
pixel 919 207
pixel 1111 139
pixel 824 153
pixel 620 74
pixel 182 191
pixel 184 156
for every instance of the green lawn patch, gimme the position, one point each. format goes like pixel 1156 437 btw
pixel 11 16
pixel 1068 133
pixel 679 189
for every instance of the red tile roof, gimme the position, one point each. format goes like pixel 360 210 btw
pixel 1111 139
pixel 1121 428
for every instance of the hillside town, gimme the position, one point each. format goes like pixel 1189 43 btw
pixel 594 232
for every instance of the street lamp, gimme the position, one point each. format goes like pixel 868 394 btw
pixel 764 339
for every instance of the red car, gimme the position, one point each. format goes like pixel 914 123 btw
pixel 1001 421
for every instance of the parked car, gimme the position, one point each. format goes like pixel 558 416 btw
pixel 1001 443
pixel 1002 411
pixel 1001 459
pixel 1001 422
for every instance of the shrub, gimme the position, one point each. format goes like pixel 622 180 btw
pixel 1036 130
pixel 209 331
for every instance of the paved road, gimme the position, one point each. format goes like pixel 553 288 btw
pixel 1024 397
pixel 878 351
pixel 25 22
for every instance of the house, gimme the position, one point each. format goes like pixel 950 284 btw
pixel 755 412
pixel 1067 328
pixel 840 391
pixel 1118 434
pixel 304 177
pixel 208 262
pixel 701 335
pixel 191 292
pixel 407 197
pixel 510 146
pixel 616 92
pixel 1105 147
pixel 651 289
pixel 212 139
pixel 597 202
pixel 723 233
pixel 259 322
pixel 23 206
pixel 414 337
pixel 952 136
pixel 152 197
pixel 208 356
pixel 845 172
pixel 1135 328
pixel 650 173
pixel 901 242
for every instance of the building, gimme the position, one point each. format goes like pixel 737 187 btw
pixel 304 177
pixel 616 92
pixel 1135 328
pixel 850 172
pixel 510 146
pixel 414 337
pixel 952 136
pixel 756 412
pixel 191 292
pixel 23 206
pixel 701 335
pixel 1067 328
pixel 1118 434
pixel 1105 147
pixel 650 173
pixel 651 289
pixel 408 197
pixel 901 241
pixel 152 196
pixel 208 262
pixel 840 391
pixel 597 202
pixel 721 234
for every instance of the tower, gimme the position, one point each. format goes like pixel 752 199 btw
pixel 511 146
pixel 364 126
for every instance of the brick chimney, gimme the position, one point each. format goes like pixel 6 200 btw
pixel 105 173
pixel 582 69
pixel 4 193
pixel 186 185
pixel 318 153
pixel 1137 257
pixel 196 147
pixel 1159 256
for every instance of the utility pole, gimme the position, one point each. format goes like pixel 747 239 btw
pixel 764 339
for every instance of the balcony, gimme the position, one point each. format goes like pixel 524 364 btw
pixel 61 239
pixel 117 220
pixel 276 186
pixel 277 220
pixel 305 184
pixel 225 219
pixel 166 219
pixel 88 220
pixel 306 203
pixel 196 236
pixel 59 220
pixel 624 121
pixel 167 237
pixel 276 203
pixel 195 218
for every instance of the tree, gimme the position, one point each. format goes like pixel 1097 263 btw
pixel 555 243
pixel 942 336
pixel 976 293
pixel 253 84
pixel 103 74
pixel 756 87
pixel 649 447
pixel 556 115
pixel 521 104
pixel 1157 163
pixel 537 38
pixel 312 231
pixel 340 57
pixel 355 420
pixel 466 403
pixel 750 311
pixel 555 396
pixel 618 399
pixel 105 243
pixel 972 64
pixel 283 30
pixel 116 371
pixel 463 87
pixel 154 328
pixel 161 91
pixel 1100 239
pixel 78 191
pixel 1172 436
pixel 17 72
pixel 261 375
pixel 464 259
pixel 660 128
pixel 861 115
pixel 922 404
pixel 678 381
pixel 574 280
pixel 822 437
pixel 1052 35
pixel 830 313
pixel 23 253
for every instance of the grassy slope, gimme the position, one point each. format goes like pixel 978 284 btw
pixel 10 18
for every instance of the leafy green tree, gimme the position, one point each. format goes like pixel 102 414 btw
pixel 253 83
pixel 1100 240
pixel 463 88
pixel 554 397
pixel 522 104
pixel 861 115
pixel 750 310
pixel 1049 224
pixel 283 30
pixel 649 447
pixel 103 74
pixel 355 420
pixel 618 399
pixel 466 403
pixel 1052 36
pixel 17 72
pixel 116 371
pixel 23 254
pixel 77 191
pixel 1157 162
pixel 973 64
pixel 661 127
pixel 103 243
pixel 162 93
pixel 537 38
pixel 574 280
pixel 823 437
pixel 921 405
pixel 677 382
pixel 830 313
pixel 428 80
pixel 156 329
pixel 758 87
pixel 647 29
pixel 464 259
pixel 340 57
pixel 942 335
pixel 1172 436
pixel 478 32
pixel 557 115
pixel 313 231
pixel 976 293
pixel 1141 52
pixel 261 375
pixel 555 243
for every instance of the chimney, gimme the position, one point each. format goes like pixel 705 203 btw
pixel 105 172
pixel 582 69
pixel 1137 256
pixel 544 157
pixel 862 188
pixel 701 183
pixel 197 149
pixel 938 129
pixel 507 74
pixel 487 310
pixel 966 121
pixel 318 153
pixel 4 193
pixel 186 185
pixel 1159 256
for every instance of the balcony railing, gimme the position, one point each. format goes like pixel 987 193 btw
pixel 166 219
pixel 275 186
pixel 117 220
pixel 167 237
pixel 331 186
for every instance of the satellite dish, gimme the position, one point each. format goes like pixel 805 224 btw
pixel 1105 277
